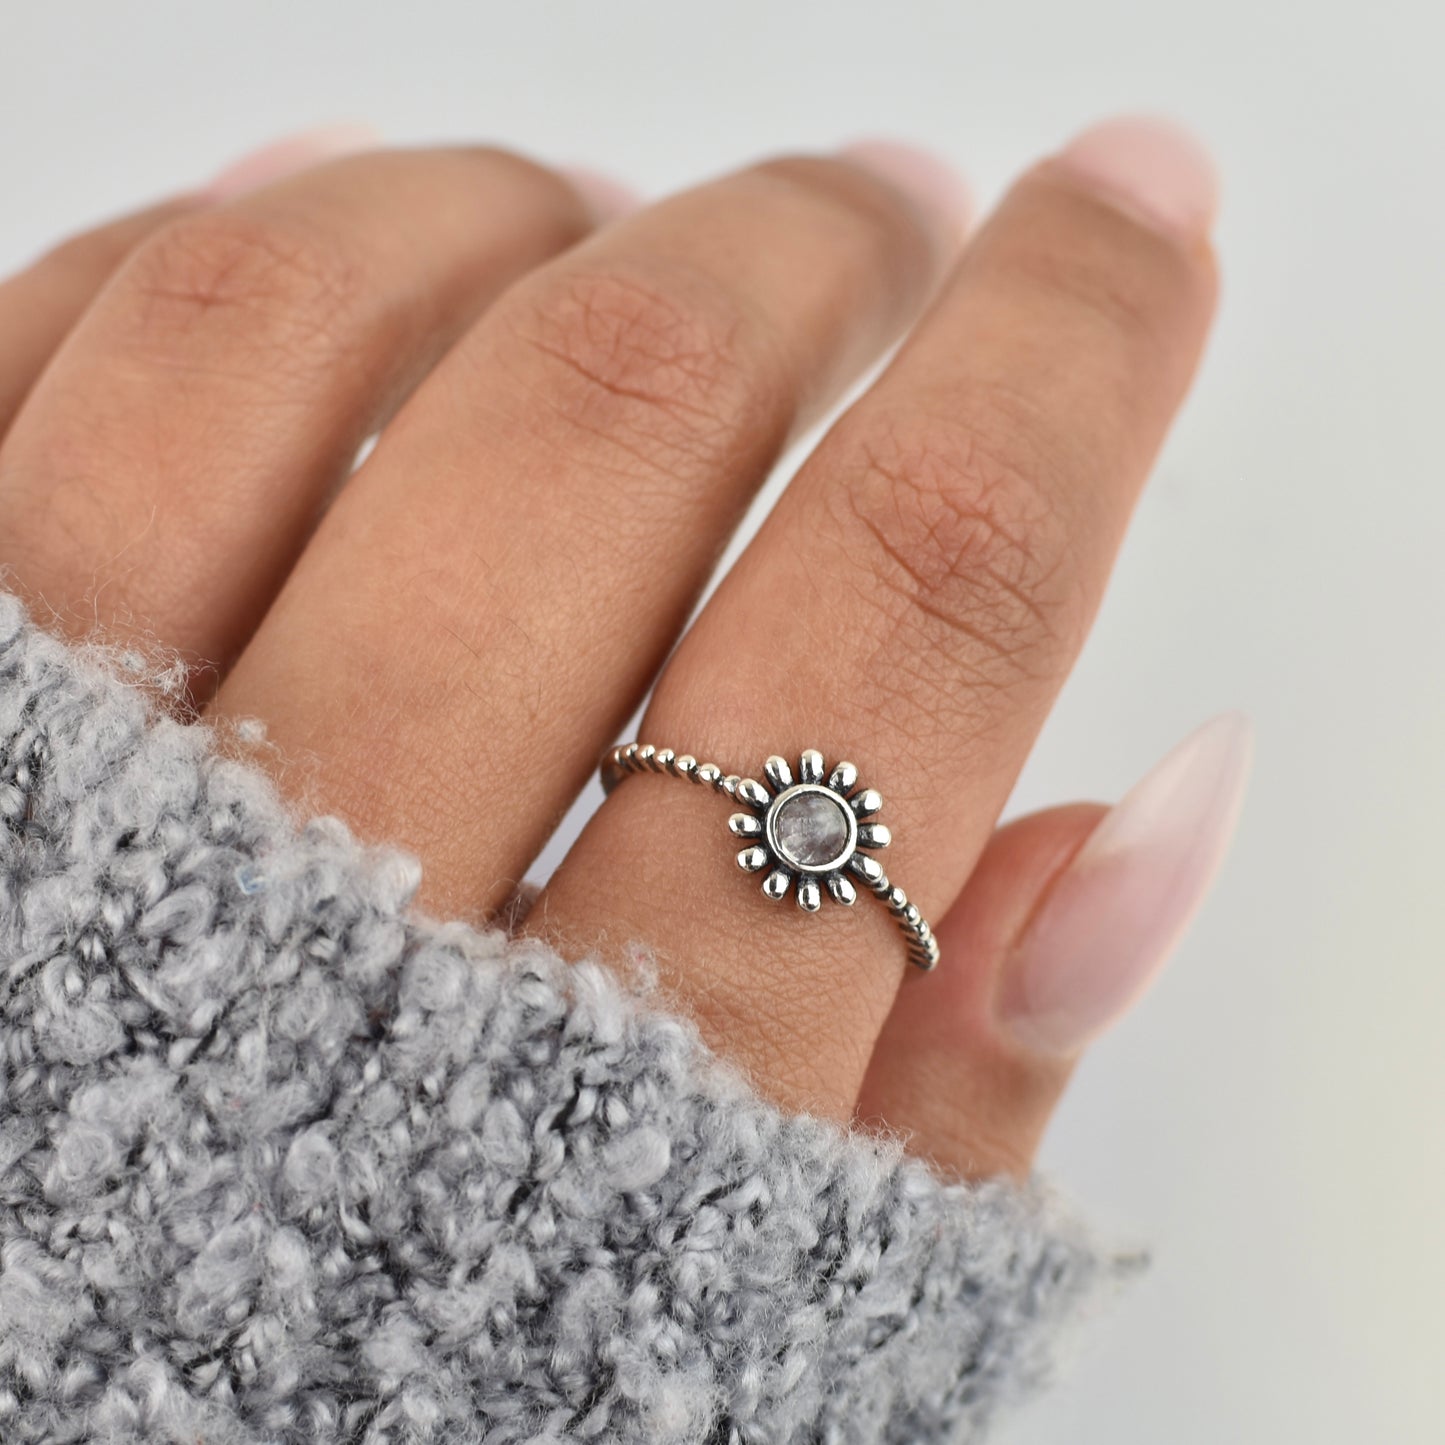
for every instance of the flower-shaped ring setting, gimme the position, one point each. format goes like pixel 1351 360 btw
pixel 811 832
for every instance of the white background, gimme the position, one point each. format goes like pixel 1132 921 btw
pixel 1270 1117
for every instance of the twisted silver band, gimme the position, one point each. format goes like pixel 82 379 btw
pixel 807 832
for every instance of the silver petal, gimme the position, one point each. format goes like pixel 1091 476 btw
pixel 870 800
pixel 753 860
pixel 810 896
pixel 874 835
pixel 776 883
pixel 746 825
pixel 778 773
pixel 841 889
pixel 810 766
pixel 752 793
pixel 843 779
pixel 870 870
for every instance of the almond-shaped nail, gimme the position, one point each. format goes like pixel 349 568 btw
pixel 929 182
pixel 1151 168
pixel 1113 916
pixel 281 158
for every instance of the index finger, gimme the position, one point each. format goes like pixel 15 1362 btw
pixel 913 605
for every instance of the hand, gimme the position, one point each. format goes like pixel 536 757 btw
pixel 576 411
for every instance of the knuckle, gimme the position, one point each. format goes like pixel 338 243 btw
pixel 969 552
pixel 292 286
pixel 665 364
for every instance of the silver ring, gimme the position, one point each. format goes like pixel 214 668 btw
pixel 808 833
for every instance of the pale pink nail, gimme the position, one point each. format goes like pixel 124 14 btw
pixel 285 157
pixel 929 181
pixel 1111 919
pixel 606 198
pixel 1152 168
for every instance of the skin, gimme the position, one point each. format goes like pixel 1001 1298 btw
pixel 442 644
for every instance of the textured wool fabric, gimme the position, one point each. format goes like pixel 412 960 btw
pixel 282 1162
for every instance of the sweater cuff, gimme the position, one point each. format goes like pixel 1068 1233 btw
pixel 281 1161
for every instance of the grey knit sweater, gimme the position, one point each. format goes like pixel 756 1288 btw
pixel 281 1161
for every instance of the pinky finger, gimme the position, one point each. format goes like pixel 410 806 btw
pixel 41 304
pixel 1067 917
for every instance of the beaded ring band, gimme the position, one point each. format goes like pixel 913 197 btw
pixel 808 833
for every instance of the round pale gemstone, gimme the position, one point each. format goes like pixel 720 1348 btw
pixel 811 829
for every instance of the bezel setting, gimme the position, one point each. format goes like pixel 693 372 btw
pixel 780 850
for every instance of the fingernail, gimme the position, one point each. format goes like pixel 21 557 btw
pixel 929 181
pixel 607 199
pixel 1112 918
pixel 1150 167
pixel 294 153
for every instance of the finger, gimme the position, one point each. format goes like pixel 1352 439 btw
pixel 40 305
pixel 1067 918
pixel 913 604
pixel 946 1074
pixel 172 461
pixel 531 533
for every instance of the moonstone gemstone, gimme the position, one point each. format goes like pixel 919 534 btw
pixel 811 829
